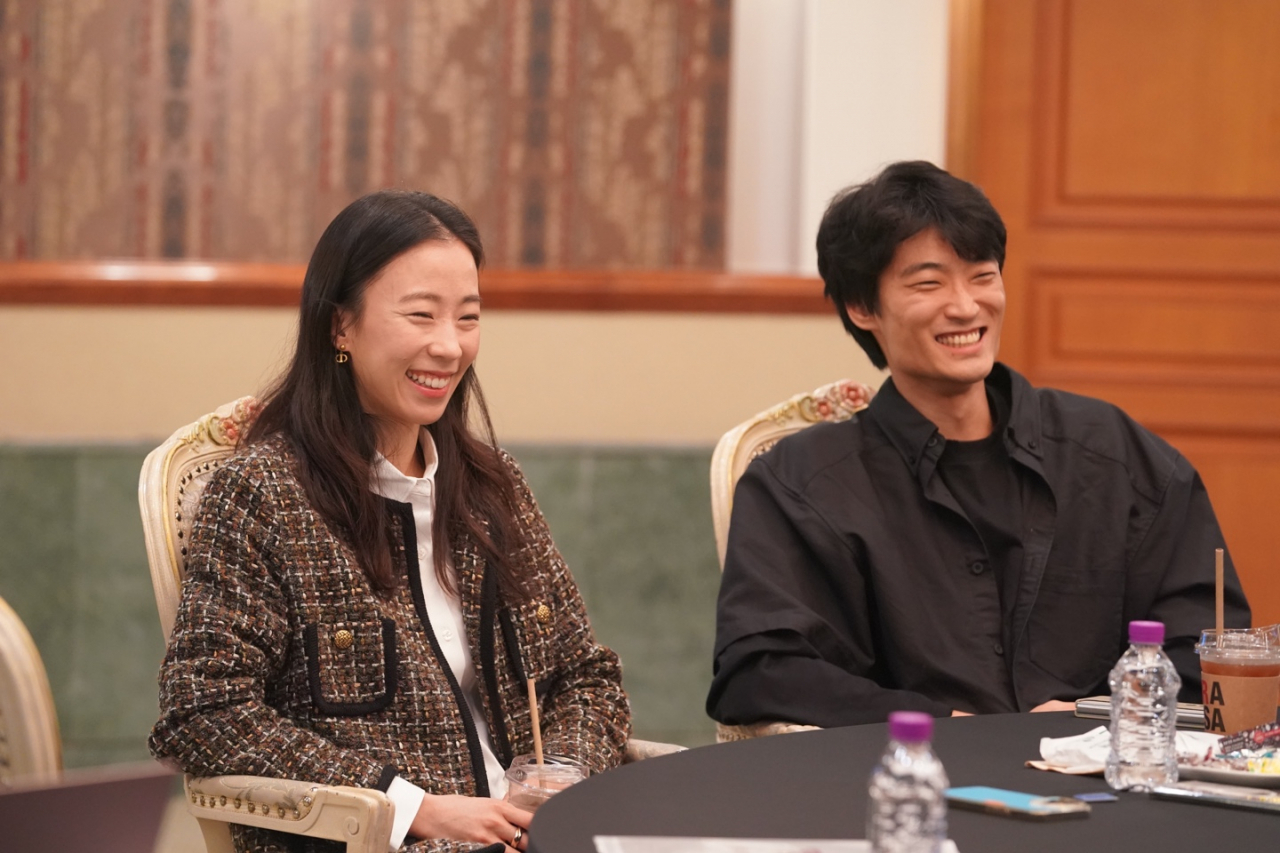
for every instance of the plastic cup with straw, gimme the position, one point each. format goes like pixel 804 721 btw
pixel 530 785
pixel 1217 591
pixel 537 725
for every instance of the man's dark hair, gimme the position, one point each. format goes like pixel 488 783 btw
pixel 865 224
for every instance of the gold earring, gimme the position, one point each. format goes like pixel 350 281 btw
pixel 342 357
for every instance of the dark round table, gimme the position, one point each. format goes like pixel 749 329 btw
pixel 814 785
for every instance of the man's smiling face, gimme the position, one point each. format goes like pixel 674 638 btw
pixel 939 317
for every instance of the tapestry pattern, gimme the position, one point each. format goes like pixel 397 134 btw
pixel 578 133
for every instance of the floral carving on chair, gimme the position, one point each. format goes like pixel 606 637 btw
pixel 838 401
pixel 227 429
pixel 211 439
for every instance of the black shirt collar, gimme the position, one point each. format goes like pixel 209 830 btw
pixel 1023 431
pixel 918 439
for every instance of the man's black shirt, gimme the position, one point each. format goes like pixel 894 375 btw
pixel 992 490
pixel 858 581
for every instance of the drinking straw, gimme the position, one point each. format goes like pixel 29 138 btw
pixel 537 726
pixel 1217 584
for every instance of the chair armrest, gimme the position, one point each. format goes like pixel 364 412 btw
pixel 359 817
pixel 639 750
pixel 727 734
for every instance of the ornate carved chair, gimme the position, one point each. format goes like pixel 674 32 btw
pixel 173 478
pixel 837 401
pixel 30 746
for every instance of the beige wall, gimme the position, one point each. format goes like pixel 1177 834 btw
pixel 127 374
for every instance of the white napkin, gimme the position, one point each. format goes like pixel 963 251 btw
pixel 1087 753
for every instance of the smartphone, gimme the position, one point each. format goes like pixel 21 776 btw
pixel 1016 803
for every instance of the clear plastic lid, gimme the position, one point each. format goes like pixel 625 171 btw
pixel 555 774
pixel 1241 645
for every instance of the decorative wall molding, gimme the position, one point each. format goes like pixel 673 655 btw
pixel 1164 327
pixel 188 283
pixel 1055 203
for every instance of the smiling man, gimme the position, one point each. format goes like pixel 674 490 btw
pixel 968 543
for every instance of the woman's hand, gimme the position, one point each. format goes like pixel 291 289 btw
pixel 471 819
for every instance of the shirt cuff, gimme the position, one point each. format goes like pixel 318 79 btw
pixel 407 799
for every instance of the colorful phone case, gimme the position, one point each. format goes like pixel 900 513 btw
pixel 1016 803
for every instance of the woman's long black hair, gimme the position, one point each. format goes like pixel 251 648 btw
pixel 314 405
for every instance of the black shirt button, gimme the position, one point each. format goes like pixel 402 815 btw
pixel 932 442
pixel 998 649
pixel 1032 444
pixel 977 567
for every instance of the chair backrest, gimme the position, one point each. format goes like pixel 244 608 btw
pixel 837 401
pixel 30 746
pixel 173 478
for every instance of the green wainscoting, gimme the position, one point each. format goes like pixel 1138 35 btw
pixel 634 524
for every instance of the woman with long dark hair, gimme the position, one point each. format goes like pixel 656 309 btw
pixel 369 583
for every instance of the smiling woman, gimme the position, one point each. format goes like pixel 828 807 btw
pixel 369 585
pixel 410 341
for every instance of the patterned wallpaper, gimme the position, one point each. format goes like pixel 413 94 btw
pixel 578 133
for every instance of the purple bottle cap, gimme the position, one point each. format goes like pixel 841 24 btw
pixel 910 726
pixel 1147 633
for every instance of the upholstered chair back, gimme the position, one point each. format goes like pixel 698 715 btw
pixel 173 479
pixel 837 401
pixel 30 746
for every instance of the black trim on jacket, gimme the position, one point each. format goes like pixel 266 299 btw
pixel 389 774
pixel 489 669
pixel 475 751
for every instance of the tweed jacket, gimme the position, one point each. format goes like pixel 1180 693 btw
pixel 284 661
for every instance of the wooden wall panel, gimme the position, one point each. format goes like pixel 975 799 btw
pixel 1160 324
pixel 1178 406
pixel 1153 112
pixel 1133 148
pixel 1195 76
pixel 1241 474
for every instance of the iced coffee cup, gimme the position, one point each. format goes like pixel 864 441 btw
pixel 529 784
pixel 1240 677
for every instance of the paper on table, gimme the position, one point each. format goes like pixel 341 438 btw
pixel 672 844
pixel 1085 754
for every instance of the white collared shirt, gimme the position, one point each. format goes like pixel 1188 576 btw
pixel 444 611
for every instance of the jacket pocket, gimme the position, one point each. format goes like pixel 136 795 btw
pixel 351 666
pixel 1076 626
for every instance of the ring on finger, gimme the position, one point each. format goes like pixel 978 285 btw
pixel 515 839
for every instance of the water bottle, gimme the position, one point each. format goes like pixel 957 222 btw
pixel 907 811
pixel 1144 711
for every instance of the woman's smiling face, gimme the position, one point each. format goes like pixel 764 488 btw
pixel 416 332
